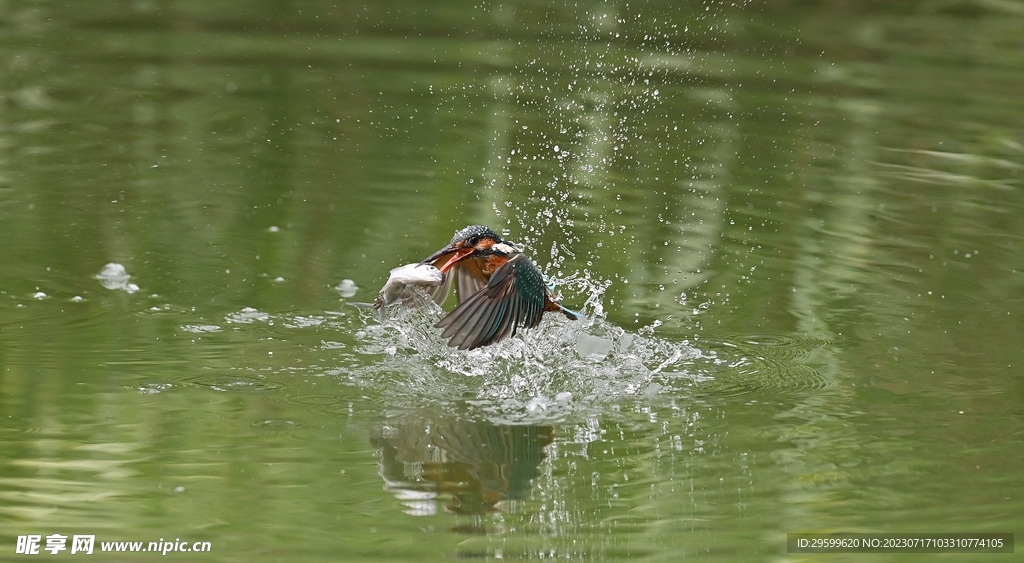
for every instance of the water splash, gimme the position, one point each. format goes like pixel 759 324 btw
pixel 115 276
pixel 547 373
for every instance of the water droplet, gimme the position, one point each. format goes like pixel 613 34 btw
pixel 347 288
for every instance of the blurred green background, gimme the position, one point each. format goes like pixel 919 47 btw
pixel 797 228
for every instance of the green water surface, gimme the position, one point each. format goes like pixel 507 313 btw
pixel 796 228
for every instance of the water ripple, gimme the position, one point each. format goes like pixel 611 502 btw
pixel 754 363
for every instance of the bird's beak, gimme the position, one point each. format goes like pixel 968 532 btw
pixel 450 255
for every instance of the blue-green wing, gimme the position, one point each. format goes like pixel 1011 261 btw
pixel 512 298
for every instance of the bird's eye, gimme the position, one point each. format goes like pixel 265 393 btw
pixel 473 241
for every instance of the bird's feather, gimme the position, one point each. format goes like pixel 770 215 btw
pixel 469 279
pixel 465 275
pixel 440 293
pixel 514 297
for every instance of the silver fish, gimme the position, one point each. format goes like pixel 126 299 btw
pixel 401 278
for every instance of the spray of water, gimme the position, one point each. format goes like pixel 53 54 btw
pixel 558 368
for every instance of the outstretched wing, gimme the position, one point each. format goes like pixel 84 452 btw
pixel 512 298
pixel 468 279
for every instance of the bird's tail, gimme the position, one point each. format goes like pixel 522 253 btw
pixel 572 315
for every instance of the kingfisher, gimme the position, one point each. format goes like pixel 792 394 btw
pixel 499 289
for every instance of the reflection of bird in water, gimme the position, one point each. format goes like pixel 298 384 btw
pixel 499 289
pixel 476 464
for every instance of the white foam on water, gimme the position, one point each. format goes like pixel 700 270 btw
pixel 542 374
pixel 115 276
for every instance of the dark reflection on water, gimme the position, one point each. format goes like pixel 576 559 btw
pixel 480 467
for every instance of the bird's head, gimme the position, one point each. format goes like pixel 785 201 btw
pixel 473 241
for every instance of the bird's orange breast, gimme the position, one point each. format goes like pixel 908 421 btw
pixel 491 263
